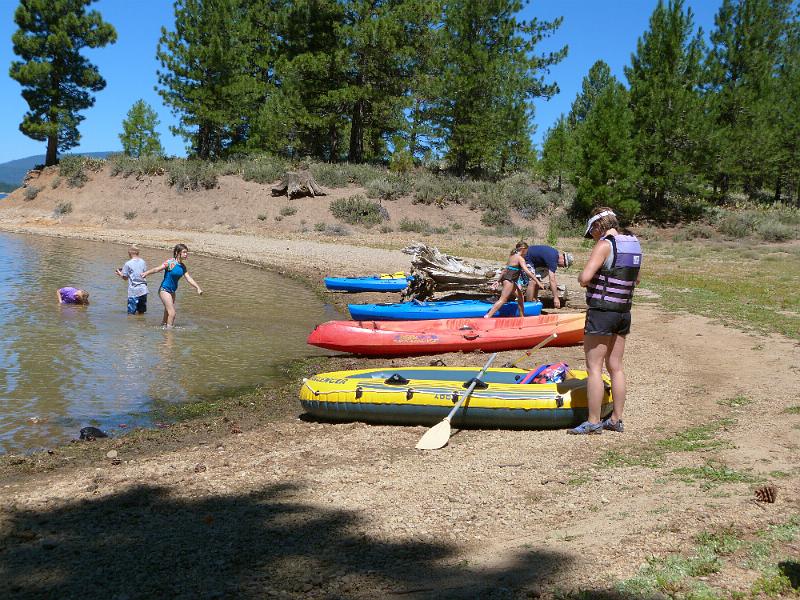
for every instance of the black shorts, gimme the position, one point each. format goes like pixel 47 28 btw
pixel 606 322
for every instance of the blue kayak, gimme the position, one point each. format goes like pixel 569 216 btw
pixel 375 283
pixel 453 309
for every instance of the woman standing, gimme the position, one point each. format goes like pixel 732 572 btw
pixel 510 280
pixel 610 276
pixel 174 268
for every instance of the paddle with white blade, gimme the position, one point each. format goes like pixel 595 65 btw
pixel 437 436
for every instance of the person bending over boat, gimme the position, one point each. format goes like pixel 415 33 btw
pixel 545 260
pixel 174 268
pixel 610 276
pixel 509 280
pixel 71 295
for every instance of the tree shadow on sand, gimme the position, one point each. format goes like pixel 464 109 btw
pixel 144 543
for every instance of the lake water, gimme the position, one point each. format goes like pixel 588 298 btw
pixel 64 367
pixel 2 195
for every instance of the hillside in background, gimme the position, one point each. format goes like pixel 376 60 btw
pixel 13 172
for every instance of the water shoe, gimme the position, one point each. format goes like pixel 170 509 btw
pixel 587 428
pixel 611 426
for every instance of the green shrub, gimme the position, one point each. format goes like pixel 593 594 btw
pixel 30 192
pixel 288 211
pixel 416 226
pixel 774 231
pixel 330 175
pixel 738 224
pixel 386 229
pixel 56 182
pixel 441 191
pixel 191 175
pixel 149 164
pixel 495 209
pixel 389 188
pixel 401 161
pixel 319 226
pixel 361 174
pixel 94 164
pixel 62 208
pixel 527 201
pixel 262 169
pixel 357 210
pixel 130 215
pixel 71 167
pixel 262 217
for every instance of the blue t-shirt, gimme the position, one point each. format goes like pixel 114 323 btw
pixel 542 256
pixel 173 271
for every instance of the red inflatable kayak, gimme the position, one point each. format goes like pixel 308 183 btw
pixel 399 338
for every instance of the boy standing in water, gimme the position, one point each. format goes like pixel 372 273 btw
pixel 137 286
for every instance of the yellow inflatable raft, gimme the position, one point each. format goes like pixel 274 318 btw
pixel 424 396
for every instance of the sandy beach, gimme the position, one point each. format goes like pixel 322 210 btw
pixel 249 501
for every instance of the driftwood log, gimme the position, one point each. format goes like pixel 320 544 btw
pixel 295 185
pixel 437 273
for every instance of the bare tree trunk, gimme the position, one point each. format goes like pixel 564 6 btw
pixel 356 154
pixel 52 151
pixel 333 137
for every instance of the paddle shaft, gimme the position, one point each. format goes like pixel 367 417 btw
pixel 546 340
pixel 470 388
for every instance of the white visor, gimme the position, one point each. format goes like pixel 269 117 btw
pixel 594 219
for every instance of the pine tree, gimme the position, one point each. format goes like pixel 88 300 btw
pixel 488 79
pixel 207 75
pixel 606 167
pixel 664 79
pixel 303 113
pixel 379 56
pixel 558 152
pixel 139 136
pixel 56 79
pixel 747 52
pixel 595 82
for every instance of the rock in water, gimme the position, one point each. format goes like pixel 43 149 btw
pixel 90 433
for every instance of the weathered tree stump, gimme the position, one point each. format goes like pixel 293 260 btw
pixel 296 185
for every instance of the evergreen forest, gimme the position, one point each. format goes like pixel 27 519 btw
pixel 448 85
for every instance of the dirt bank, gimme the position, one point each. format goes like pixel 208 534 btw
pixel 291 508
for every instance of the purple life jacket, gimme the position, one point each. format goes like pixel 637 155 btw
pixel 612 289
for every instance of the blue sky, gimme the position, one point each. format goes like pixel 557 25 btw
pixel 593 29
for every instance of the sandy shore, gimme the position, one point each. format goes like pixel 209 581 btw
pixel 226 506
pixel 291 255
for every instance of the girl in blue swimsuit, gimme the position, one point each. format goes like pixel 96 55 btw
pixel 510 280
pixel 174 269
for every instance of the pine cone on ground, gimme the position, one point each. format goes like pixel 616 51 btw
pixel 766 493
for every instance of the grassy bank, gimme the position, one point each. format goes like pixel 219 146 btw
pixel 747 286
